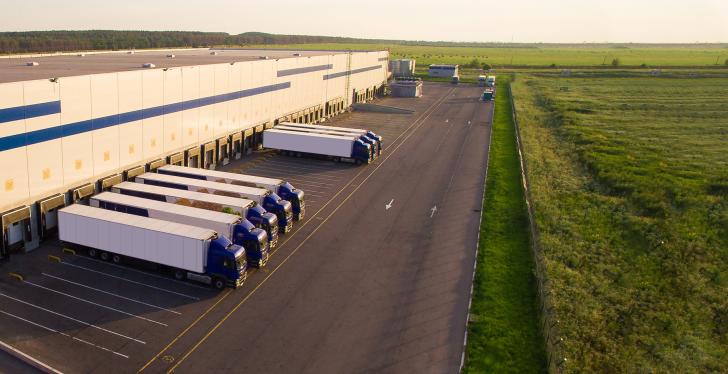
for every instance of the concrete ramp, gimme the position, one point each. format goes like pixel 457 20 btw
pixel 365 107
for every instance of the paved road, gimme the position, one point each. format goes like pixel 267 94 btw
pixel 356 287
pixel 374 289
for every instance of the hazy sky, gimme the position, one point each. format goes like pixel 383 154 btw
pixel 465 20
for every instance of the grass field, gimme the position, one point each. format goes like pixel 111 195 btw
pixel 503 333
pixel 629 179
pixel 698 55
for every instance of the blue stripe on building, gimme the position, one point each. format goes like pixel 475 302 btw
pixel 307 69
pixel 29 111
pixel 352 72
pixel 57 132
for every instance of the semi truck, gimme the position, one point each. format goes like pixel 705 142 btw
pixel 271 202
pixel 235 228
pixel 481 80
pixel 340 148
pixel 366 135
pixel 242 207
pixel 490 81
pixel 371 142
pixel 278 186
pixel 188 252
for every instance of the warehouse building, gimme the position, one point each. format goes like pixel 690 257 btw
pixel 448 71
pixel 75 124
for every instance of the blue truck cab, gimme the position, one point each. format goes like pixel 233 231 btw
pixel 226 263
pixel 254 240
pixel 295 196
pixel 265 220
pixel 378 139
pixel 362 152
pixel 372 143
pixel 282 209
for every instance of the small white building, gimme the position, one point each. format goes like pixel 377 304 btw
pixel 448 71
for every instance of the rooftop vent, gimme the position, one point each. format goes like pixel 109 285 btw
pixel 170 56
pixel 297 54
pixel 213 53
pixel 81 54
pixel 262 57
pixel 31 63
pixel 130 52
pixel 149 65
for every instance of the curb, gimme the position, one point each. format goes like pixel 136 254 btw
pixel 28 360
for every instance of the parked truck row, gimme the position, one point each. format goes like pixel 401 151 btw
pixel 196 224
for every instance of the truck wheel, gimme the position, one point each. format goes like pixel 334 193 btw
pixel 116 259
pixel 218 283
pixel 179 274
pixel 105 256
pixel 92 252
pixel 358 162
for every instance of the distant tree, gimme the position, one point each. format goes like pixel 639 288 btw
pixel 487 67
pixel 552 65
pixel 726 62
pixel 616 62
pixel 474 63
pixel 643 65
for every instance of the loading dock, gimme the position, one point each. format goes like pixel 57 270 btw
pixel 223 150
pixel 236 145
pixel 156 164
pixel 192 157
pixel 258 137
pixel 105 183
pixel 48 215
pixel 248 141
pixel 208 155
pixel 81 192
pixel 129 174
pixel 176 159
pixel 15 231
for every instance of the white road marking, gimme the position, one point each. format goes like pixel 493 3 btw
pixel 111 293
pixel 433 211
pixel 73 319
pixel 125 268
pixel 447 120
pixel 387 206
pixel 94 303
pixel 129 280
pixel 63 333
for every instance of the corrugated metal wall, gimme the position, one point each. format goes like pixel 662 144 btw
pixel 58 135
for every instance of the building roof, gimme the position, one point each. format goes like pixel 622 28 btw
pixel 13 68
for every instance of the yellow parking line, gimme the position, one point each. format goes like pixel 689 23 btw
pixel 16 276
pixel 69 251
pixel 54 258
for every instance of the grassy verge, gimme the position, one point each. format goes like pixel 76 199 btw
pixel 504 334
pixel 629 181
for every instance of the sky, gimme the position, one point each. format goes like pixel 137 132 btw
pixel 548 21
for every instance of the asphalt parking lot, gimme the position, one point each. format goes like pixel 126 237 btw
pixel 356 287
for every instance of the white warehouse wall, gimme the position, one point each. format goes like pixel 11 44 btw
pixel 113 121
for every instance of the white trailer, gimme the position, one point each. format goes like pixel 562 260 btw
pixel 268 200
pixel 236 228
pixel 365 135
pixel 284 189
pixel 337 147
pixel 190 252
pixel 244 207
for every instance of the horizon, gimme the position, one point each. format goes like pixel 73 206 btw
pixel 520 21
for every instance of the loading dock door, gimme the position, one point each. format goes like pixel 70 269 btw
pixel 248 141
pixel 48 217
pixel 106 183
pixel 236 144
pixel 129 174
pixel 223 151
pixel 192 157
pixel 208 155
pixel 15 231
pixel 156 164
pixel 176 159
pixel 82 192
pixel 258 137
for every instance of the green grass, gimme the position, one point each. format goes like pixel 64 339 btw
pixel 543 55
pixel 504 334
pixel 629 179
